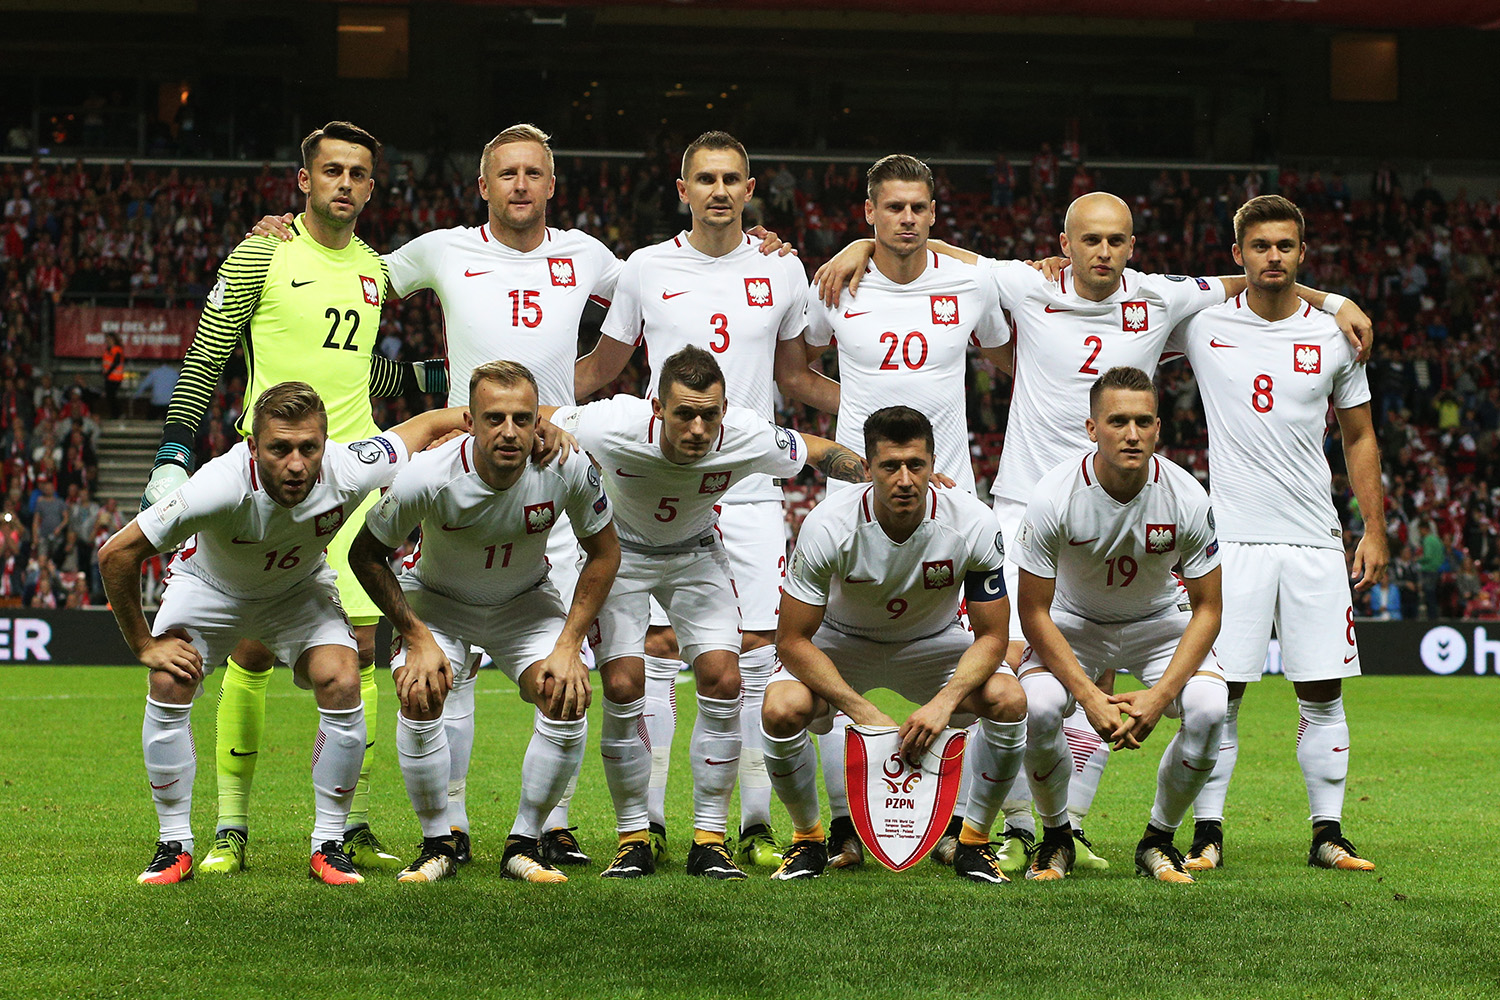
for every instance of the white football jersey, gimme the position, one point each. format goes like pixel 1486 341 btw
pixel 1063 343
pixel 873 587
pixel 479 545
pixel 662 505
pixel 908 344
pixel 502 303
pixel 1113 562
pixel 737 306
pixel 1266 389
pixel 237 539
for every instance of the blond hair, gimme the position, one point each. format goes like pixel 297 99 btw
pixel 502 373
pixel 523 132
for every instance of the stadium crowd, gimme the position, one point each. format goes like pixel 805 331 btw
pixel 1423 266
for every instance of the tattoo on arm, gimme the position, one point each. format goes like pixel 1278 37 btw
pixel 839 462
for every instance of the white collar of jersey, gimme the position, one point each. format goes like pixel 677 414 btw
pixel 1088 461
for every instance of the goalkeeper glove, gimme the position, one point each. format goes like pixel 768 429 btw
pixel 170 471
pixel 432 376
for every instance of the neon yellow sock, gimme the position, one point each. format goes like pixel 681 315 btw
pixel 359 812
pixel 240 722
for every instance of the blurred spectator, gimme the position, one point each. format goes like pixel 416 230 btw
pixel 113 365
pixel 159 383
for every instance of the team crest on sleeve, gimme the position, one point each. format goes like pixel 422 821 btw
pixel 1000 544
pixel 937 574
pixel 714 482
pixel 758 291
pixel 1133 318
pixel 1161 538
pixel 560 269
pixel 329 521
pixel 539 517
pixel 216 293
pixel 944 310
pixel 1307 359
pixel 371 288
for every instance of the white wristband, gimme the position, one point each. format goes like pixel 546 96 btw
pixel 1333 303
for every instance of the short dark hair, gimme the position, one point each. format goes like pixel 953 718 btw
pixel 898 425
pixel 1120 377
pixel 502 373
pixel 1267 208
pixel 339 130
pixel 288 401
pixel 898 167
pixel 692 368
pixel 714 140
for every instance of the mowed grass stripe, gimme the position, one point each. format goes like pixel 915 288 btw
pixel 78 826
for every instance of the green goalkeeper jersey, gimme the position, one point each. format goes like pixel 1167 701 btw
pixel 304 313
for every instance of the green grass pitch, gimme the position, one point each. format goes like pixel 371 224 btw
pixel 76 826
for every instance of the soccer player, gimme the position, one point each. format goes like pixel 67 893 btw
pixel 1097 549
pixel 907 338
pixel 666 462
pixel 1269 366
pixel 712 288
pixel 253 524
pixel 1101 314
pixel 872 601
pixel 480 577
pixel 305 309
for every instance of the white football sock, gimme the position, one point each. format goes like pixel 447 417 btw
pixel 557 819
pixel 1049 762
pixel 1209 805
pixel 661 723
pixel 422 748
pixel 1323 752
pixel 966 778
pixel 1189 759
pixel 626 748
pixel 831 750
pixel 715 750
pixel 997 753
pixel 171 765
pixel 792 767
pixel 338 754
pixel 755 787
pixel 552 760
pixel 1090 754
pixel 458 721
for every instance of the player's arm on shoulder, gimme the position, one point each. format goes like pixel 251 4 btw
pixel 799 381
pixel 834 460
pixel 846 267
pixel 120 561
pixel 796 625
pixel 1355 325
pixel 1372 555
pixel 425 428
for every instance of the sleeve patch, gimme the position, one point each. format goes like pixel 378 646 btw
pixel 1203 284
pixel 368 451
pixel 984 585
pixel 216 293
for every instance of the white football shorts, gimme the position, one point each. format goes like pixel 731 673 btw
pixel 1009 514
pixel 306 615
pixel 516 634
pixel 695 590
pixel 1303 591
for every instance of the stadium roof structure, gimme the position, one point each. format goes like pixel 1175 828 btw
pixel 1347 13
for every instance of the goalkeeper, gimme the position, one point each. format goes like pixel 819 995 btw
pixel 308 310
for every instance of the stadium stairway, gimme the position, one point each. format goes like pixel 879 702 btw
pixel 126 451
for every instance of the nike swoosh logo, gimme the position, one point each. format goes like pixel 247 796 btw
pixel 1215 343
pixel 1200 770
pixel 716 763
pixel 608 757
pixel 860 579
pixel 461 527
pixel 299 284
pixel 242 753
pixel 1044 777
pixel 628 475
pixel 1350 658
pixel 343 791
pixel 473 274
pixel 1339 749
pixel 850 315
pixel 167 785
pixel 673 295
pixel 788 774
pixel 1084 542
pixel 993 781
pixel 237 540
pixel 1051 310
